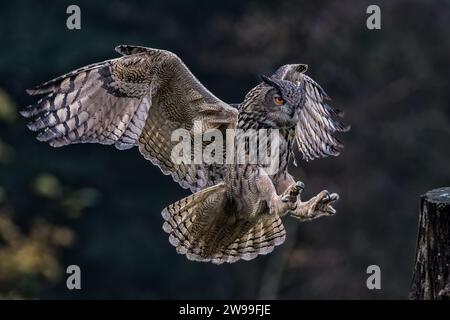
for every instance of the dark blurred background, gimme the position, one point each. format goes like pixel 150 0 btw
pixel 99 208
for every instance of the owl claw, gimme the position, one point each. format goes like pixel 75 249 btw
pixel 300 186
pixel 292 193
pixel 320 205
pixel 323 204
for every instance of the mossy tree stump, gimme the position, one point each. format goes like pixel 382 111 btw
pixel 431 278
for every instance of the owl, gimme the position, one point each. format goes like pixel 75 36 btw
pixel 142 97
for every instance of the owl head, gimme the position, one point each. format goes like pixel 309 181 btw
pixel 275 103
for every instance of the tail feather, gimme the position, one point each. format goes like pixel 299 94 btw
pixel 204 227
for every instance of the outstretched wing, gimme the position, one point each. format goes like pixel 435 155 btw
pixel 135 100
pixel 315 131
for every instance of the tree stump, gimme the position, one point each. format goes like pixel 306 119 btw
pixel 431 280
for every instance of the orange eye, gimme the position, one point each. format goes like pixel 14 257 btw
pixel 278 101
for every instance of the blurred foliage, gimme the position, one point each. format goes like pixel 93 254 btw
pixel 30 250
pixel 7 108
pixel 391 83
pixel 7 115
pixel 29 261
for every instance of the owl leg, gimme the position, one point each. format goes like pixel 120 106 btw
pixel 318 206
pixel 278 204
pixel 284 182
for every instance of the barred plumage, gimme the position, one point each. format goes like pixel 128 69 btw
pixel 140 98
pixel 135 100
pixel 317 125
pixel 204 227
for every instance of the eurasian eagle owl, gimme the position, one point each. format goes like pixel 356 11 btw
pixel 141 98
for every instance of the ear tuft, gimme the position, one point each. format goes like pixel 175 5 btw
pixel 269 81
pixel 265 79
pixel 301 68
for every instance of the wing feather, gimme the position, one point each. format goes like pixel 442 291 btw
pixel 135 100
pixel 318 123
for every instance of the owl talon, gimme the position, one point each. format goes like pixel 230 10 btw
pixel 320 205
pixel 300 186
pixel 292 193
pixel 323 205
